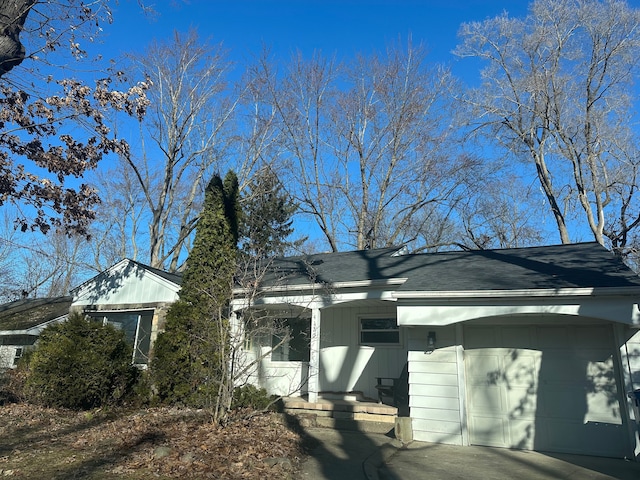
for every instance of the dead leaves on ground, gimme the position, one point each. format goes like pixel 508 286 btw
pixel 162 442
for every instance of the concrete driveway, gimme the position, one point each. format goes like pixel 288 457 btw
pixel 350 455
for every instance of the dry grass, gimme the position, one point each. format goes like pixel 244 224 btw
pixel 153 443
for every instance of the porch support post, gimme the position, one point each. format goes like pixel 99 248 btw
pixel 314 357
pixel 624 364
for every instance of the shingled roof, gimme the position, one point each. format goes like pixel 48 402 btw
pixel 581 265
pixel 30 312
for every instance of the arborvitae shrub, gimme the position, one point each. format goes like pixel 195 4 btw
pixel 80 364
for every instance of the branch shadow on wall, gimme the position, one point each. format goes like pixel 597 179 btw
pixel 561 395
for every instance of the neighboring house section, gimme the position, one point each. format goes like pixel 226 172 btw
pixel 531 348
pixel 132 297
pixel 22 321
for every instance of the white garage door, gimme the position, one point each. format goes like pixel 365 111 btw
pixel 544 388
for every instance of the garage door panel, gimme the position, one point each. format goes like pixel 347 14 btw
pixel 489 431
pixel 484 367
pixel 520 369
pixel 597 438
pixel 603 408
pixel 552 337
pixel 521 434
pixel 488 399
pixel 516 337
pixel 558 394
pixel 555 402
pixel 521 403
pixel 482 337
pixel 594 337
pixel 572 368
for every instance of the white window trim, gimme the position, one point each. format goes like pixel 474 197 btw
pixel 377 317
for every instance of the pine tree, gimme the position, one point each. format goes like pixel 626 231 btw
pixel 267 222
pixel 191 356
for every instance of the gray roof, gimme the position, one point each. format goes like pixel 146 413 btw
pixel 581 265
pixel 30 312
pixel 172 277
pixel 107 282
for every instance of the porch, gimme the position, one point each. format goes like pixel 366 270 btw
pixel 352 411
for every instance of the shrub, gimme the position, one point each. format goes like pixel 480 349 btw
pixel 249 396
pixel 12 389
pixel 80 364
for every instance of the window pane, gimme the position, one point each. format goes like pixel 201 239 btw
pixel 141 353
pixel 379 330
pixel 379 324
pixel 380 337
pixel 136 327
pixel 17 356
pixel 297 348
pixel 124 321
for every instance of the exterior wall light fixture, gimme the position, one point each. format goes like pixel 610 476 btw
pixel 431 342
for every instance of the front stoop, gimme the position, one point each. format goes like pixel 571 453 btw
pixel 342 414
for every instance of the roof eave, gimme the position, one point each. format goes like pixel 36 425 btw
pixel 306 287
pixel 520 293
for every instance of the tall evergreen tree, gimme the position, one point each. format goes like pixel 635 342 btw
pixel 267 223
pixel 191 356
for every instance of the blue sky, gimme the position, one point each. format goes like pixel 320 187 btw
pixel 335 27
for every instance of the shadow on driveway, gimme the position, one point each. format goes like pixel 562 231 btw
pixel 339 454
pixel 437 461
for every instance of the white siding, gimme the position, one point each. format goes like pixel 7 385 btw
pixel 126 283
pixel 282 378
pixel 7 356
pixel 434 393
pixel 347 366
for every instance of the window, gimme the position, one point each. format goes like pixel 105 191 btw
pixel 18 355
pixel 136 327
pixel 379 331
pixel 297 347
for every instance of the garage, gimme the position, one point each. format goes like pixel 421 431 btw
pixel 544 386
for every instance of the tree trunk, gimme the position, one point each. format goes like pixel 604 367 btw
pixel 13 14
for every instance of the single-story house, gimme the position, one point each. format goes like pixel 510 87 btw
pixel 131 296
pixel 21 322
pixel 531 348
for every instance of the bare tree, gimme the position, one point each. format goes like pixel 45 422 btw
pixel 502 215
pixel 41 266
pixel 183 138
pixel 367 144
pixel 556 92
pixel 119 230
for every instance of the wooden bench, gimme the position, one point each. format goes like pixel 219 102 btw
pixel 395 388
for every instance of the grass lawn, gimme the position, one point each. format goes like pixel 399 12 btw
pixel 163 443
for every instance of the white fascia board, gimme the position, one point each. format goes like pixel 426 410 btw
pixel 311 300
pixel 523 293
pixel 319 287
